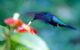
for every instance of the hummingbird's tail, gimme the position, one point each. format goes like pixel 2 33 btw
pixel 68 26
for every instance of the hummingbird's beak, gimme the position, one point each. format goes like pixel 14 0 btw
pixel 30 22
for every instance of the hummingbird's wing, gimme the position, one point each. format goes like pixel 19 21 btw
pixel 57 20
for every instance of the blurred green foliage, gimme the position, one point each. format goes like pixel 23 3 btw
pixel 11 40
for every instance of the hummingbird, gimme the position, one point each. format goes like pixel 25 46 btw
pixel 49 18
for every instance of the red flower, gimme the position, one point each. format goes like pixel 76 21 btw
pixel 31 29
pixel 21 29
pixel 26 28
pixel 11 22
pixel 20 26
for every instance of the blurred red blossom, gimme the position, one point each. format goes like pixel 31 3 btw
pixel 20 26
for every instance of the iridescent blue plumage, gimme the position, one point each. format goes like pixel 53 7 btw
pixel 50 19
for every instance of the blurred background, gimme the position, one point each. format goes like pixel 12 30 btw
pixel 57 38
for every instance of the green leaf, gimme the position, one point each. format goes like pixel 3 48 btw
pixel 21 47
pixel 1 47
pixel 17 46
pixel 3 32
pixel 29 40
pixel 2 36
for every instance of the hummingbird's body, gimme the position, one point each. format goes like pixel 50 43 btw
pixel 47 18
pixel 50 19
